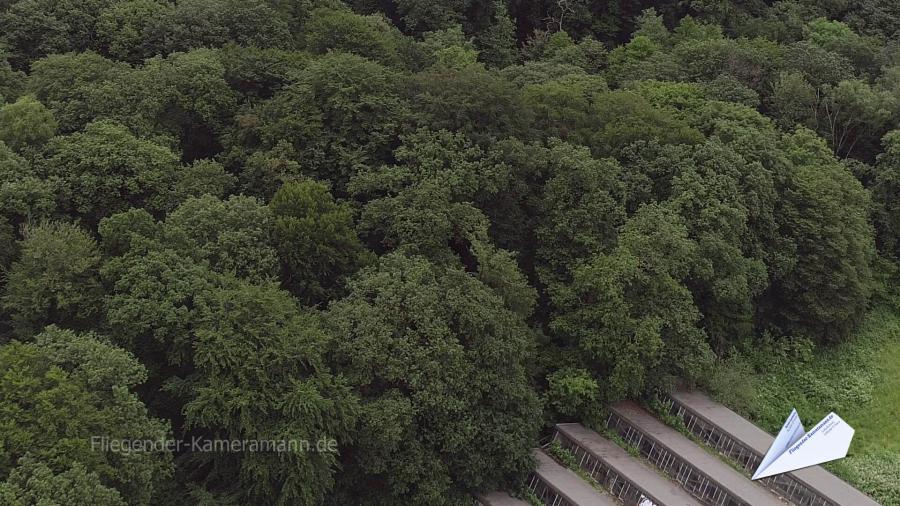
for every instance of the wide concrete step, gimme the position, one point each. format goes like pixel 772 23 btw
pixel 744 443
pixel 555 485
pixel 624 476
pixel 705 476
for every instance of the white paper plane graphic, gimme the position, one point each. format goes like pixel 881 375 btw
pixel 793 449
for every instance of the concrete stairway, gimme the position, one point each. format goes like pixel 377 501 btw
pixel 671 469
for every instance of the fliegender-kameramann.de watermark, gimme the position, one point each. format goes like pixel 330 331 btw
pixel 205 445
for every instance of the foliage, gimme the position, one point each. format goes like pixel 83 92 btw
pixel 35 483
pixel 570 392
pixel 26 123
pixel 105 169
pixel 407 224
pixel 440 368
pixel 55 280
pixel 23 194
pixel 315 240
pixel 823 191
pixel 260 375
pixel 59 392
pixel 640 329
pixel 342 113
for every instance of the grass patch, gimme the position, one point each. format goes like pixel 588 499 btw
pixel 878 424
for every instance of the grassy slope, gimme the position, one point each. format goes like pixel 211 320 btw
pixel 877 424
pixel 860 380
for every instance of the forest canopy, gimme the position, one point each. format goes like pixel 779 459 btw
pixel 421 229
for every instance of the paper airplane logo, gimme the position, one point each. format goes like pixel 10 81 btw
pixel 795 449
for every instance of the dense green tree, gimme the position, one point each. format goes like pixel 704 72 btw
pixel 539 72
pixel 183 98
pixel 851 116
pixel 123 28
pixel 365 221
pixel 315 239
pixel 874 17
pixel 573 392
pixel 588 54
pixel 54 281
pixel 23 195
pixel 651 25
pixel 471 100
pixel 233 236
pixel 11 81
pixel 885 188
pixel 426 15
pixel 9 250
pixel 628 311
pixel 256 73
pixel 192 24
pixel 753 62
pixel 238 360
pixel 263 172
pixel 863 53
pixel 497 42
pixel 793 100
pixel 709 193
pixel 26 124
pixel 727 88
pixel 341 30
pixel 563 107
pixel 449 48
pixel 259 374
pixel 35 28
pixel 642 58
pixel 581 211
pixel 34 482
pixel 439 364
pixel 818 65
pixel 622 117
pixel 825 214
pixel 59 396
pixel 434 203
pixel 106 169
pixel 68 85
pixel 150 305
pixel 342 113
pixel 202 177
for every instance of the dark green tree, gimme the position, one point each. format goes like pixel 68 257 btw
pixel 316 242
pixel 470 100
pixel 106 169
pixel 341 114
pixel 11 81
pixel 123 28
pixel 885 189
pixel 259 374
pixel 824 213
pixel 581 210
pixel 54 281
pixel 35 28
pixel 628 313
pixel 234 236
pixel 193 24
pixel 69 84
pixel 439 364
pixel 373 36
